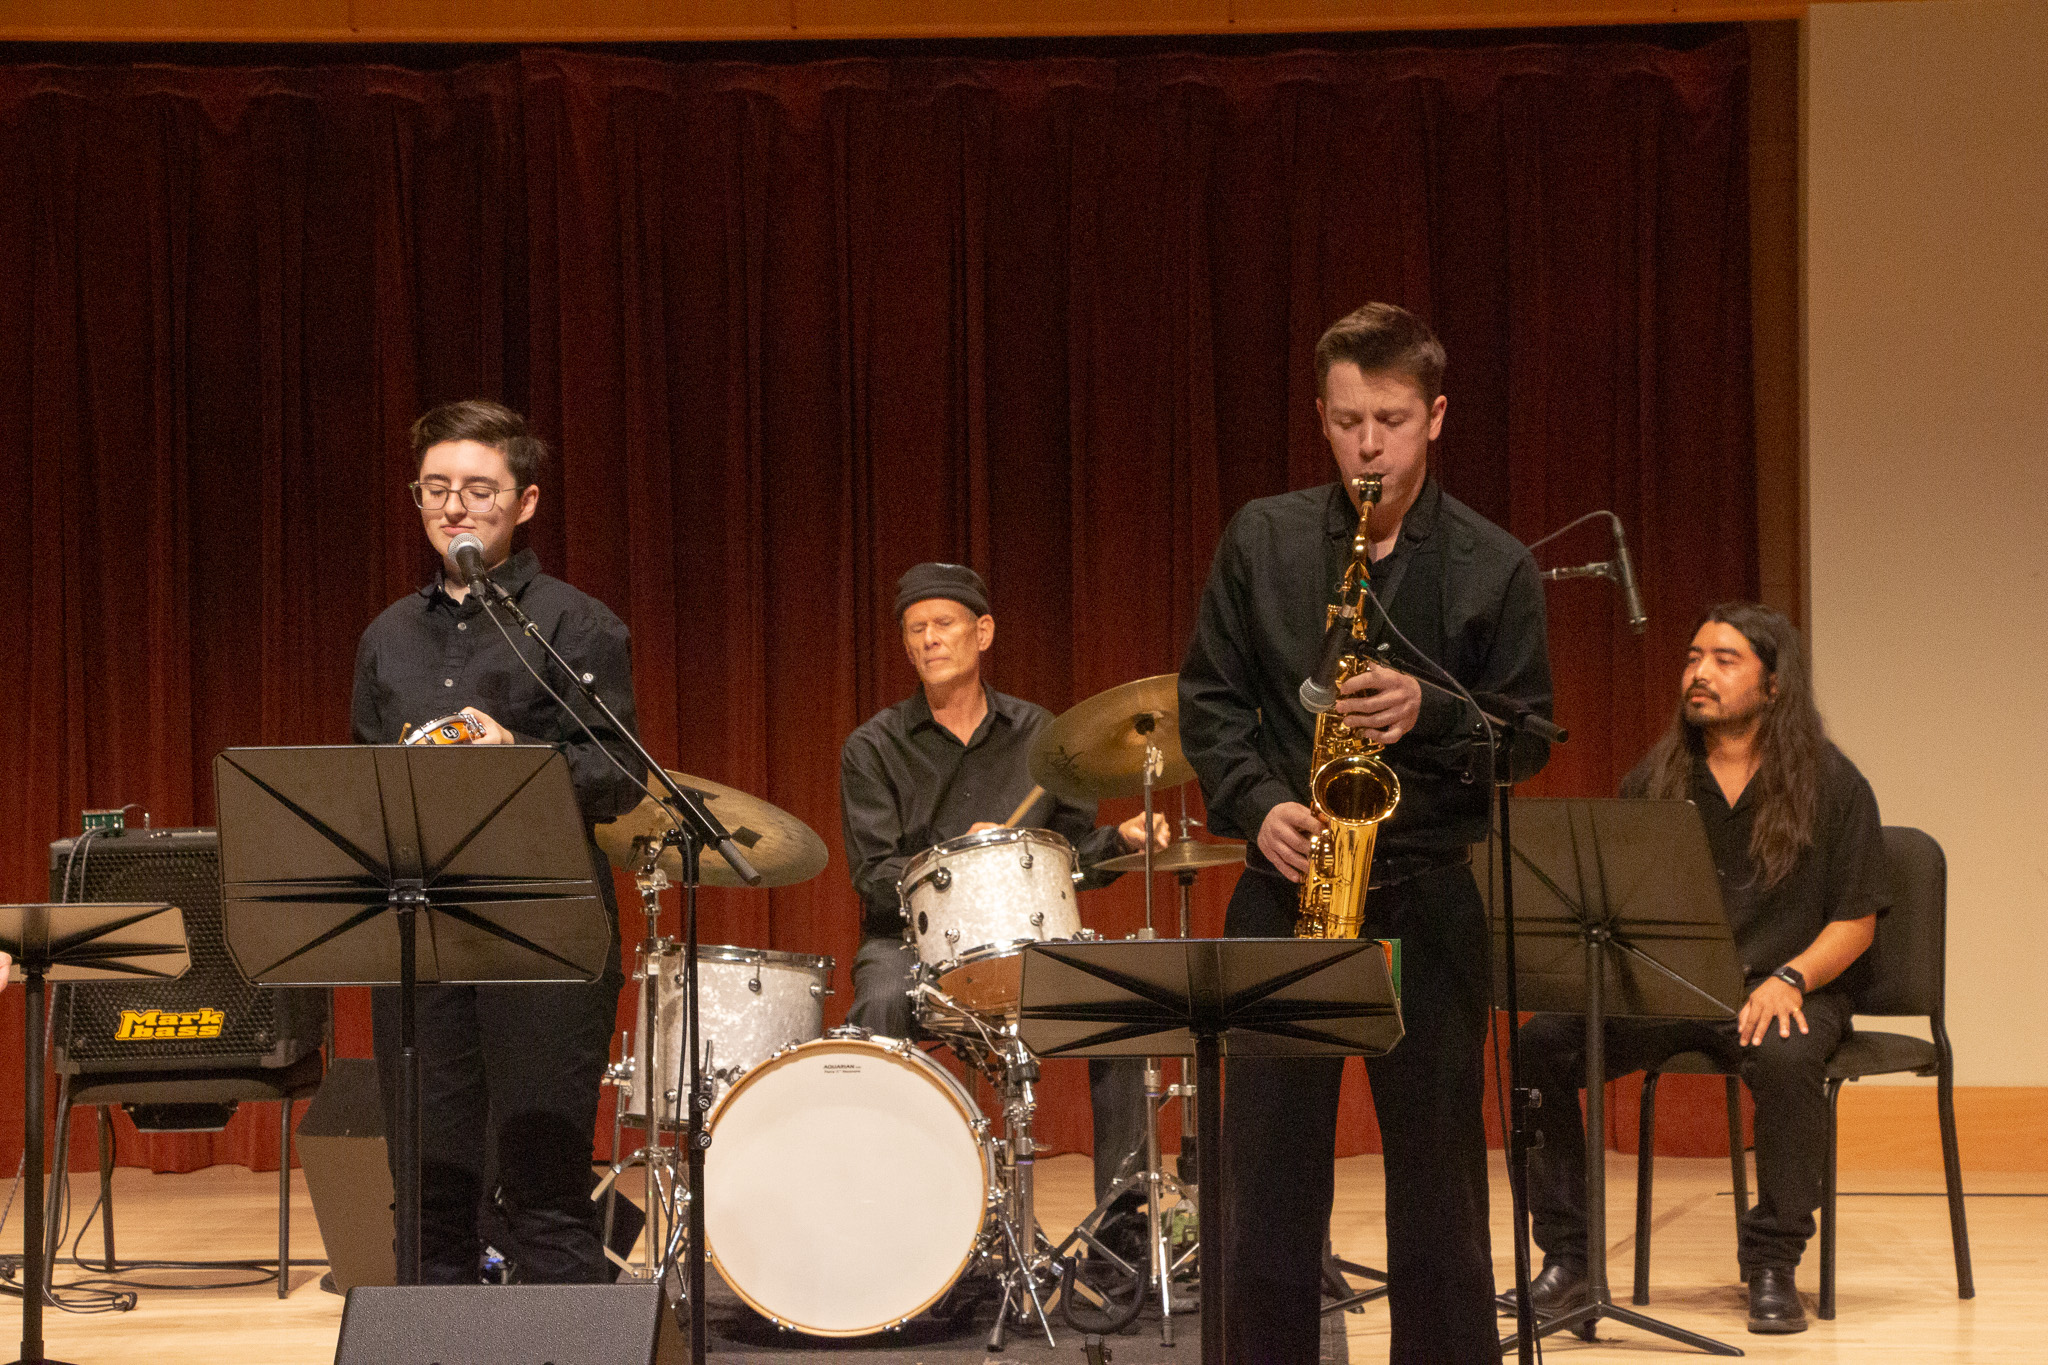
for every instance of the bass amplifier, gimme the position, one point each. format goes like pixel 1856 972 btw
pixel 209 1019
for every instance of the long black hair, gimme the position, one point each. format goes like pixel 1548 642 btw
pixel 1791 741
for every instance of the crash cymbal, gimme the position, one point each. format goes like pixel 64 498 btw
pixel 1096 749
pixel 782 848
pixel 1189 855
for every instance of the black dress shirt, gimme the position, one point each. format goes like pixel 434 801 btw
pixel 1841 875
pixel 427 656
pixel 1463 591
pixel 906 782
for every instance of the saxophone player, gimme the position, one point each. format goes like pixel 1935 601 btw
pixel 1467 595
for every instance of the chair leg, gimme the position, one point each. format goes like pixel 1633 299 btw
pixel 1952 1173
pixel 284 1196
pixel 1738 1163
pixel 106 1136
pixel 1646 1163
pixel 1827 1205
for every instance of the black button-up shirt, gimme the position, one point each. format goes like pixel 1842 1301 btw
pixel 906 783
pixel 1463 591
pixel 427 656
pixel 1841 875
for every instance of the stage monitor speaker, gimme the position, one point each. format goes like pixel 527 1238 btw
pixel 211 1018
pixel 342 1150
pixel 537 1324
pixel 348 1173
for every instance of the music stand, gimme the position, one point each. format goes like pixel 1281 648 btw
pixel 1249 997
pixel 1617 913
pixel 334 860
pixel 72 942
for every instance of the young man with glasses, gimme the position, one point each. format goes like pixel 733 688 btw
pixel 513 1070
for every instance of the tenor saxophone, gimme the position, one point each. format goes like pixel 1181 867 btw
pixel 1351 788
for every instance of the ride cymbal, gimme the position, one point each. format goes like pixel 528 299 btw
pixel 782 848
pixel 1096 749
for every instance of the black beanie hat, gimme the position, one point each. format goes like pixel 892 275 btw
pixel 955 582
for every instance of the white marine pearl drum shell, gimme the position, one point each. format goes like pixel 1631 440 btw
pixel 975 902
pixel 846 1185
pixel 751 1004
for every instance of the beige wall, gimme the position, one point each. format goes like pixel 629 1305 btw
pixel 1926 267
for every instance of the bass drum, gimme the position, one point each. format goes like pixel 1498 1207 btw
pixel 846 1185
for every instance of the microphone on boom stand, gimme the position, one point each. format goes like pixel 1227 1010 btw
pixel 1620 570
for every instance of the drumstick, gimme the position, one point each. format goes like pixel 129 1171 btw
pixel 1022 806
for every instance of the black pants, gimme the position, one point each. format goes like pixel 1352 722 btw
pixel 1783 1074
pixel 514 1071
pixel 885 968
pixel 1279 1136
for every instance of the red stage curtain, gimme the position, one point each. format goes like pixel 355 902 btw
pixel 794 328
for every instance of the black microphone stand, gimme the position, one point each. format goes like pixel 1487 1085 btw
pixel 1519 720
pixel 694 828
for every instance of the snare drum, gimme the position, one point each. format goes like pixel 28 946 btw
pixel 846 1185
pixel 975 902
pixel 751 1003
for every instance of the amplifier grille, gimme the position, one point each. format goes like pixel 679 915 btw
pixel 210 1018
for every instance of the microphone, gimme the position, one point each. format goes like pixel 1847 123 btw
pixel 1318 690
pixel 1625 570
pixel 467 550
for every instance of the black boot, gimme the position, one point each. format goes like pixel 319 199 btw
pixel 1560 1285
pixel 1774 1305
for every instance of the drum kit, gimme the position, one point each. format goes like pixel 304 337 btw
pixel 852 1182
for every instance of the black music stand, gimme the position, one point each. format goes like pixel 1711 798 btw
pixel 379 865
pixel 1249 997
pixel 72 942
pixel 1617 913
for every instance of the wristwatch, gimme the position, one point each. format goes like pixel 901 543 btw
pixel 1792 977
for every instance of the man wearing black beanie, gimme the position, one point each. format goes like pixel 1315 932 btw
pixel 952 759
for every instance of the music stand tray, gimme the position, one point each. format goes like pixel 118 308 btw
pixel 1251 997
pixel 1618 913
pixel 72 942
pixel 380 865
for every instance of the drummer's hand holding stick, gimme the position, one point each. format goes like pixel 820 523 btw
pixel 1133 832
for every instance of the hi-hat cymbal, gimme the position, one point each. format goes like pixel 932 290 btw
pixel 782 848
pixel 1189 855
pixel 1096 748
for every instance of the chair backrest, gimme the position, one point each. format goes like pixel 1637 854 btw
pixel 1907 972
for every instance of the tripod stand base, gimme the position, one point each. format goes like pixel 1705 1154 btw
pixel 1343 1298
pixel 1581 1319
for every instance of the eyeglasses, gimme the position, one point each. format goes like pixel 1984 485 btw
pixel 477 497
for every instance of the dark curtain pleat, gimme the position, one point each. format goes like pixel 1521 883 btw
pixel 792 329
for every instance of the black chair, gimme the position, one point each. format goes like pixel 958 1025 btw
pixel 284 1085
pixel 1683 1064
pixel 1907 977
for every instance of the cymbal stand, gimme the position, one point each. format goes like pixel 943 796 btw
pixel 656 1098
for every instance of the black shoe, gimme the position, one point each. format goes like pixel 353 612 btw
pixel 1774 1305
pixel 1559 1286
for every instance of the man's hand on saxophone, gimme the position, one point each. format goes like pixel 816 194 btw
pixel 1380 703
pixel 1284 836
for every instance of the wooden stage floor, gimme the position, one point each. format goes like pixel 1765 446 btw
pixel 1897 1294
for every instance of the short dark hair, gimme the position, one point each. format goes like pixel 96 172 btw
pixel 486 423
pixel 1381 338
